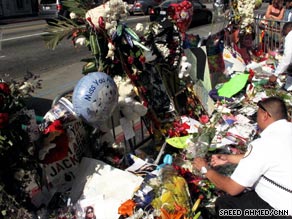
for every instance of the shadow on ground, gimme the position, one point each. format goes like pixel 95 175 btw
pixel 40 105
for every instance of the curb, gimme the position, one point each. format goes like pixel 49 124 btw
pixel 13 20
pixel 19 22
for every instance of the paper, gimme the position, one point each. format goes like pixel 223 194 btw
pixel 109 187
pixel 288 84
pixel 194 124
pixel 233 86
pixel 140 166
pixel 233 61
pixel 178 142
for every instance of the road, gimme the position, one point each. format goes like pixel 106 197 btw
pixel 23 49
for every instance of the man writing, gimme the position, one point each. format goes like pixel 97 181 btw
pixel 265 168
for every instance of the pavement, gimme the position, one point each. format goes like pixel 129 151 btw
pixel 54 83
pixel 19 19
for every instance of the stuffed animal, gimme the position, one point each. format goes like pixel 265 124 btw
pixel 130 108
pixel 111 51
pixel 184 68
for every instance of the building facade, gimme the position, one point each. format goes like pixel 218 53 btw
pixel 10 8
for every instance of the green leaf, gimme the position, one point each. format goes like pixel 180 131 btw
pixel 136 43
pixel 57 30
pixel 79 7
pixel 119 29
pixel 178 142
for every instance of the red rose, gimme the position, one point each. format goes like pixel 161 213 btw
pixel 2 103
pixel 204 119
pixel 101 22
pixel 4 88
pixel 4 119
pixel 142 59
pixel 130 60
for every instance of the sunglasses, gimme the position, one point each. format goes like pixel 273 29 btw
pixel 260 105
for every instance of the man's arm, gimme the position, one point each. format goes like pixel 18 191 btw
pixel 287 56
pixel 222 182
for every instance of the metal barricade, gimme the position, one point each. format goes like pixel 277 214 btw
pixel 268 34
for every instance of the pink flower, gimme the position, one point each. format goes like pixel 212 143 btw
pixel 4 119
pixel 142 59
pixel 4 88
pixel 130 60
pixel 204 119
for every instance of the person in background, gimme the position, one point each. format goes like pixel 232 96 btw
pixel 89 213
pixel 245 46
pixel 275 11
pixel 285 64
pixel 263 177
pixel 288 11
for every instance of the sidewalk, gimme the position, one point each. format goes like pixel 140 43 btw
pixel 54 83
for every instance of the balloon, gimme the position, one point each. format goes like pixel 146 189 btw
pixel 95 97
pixel 182 14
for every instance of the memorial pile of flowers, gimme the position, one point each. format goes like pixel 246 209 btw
pixel 192 108
pixel 18 132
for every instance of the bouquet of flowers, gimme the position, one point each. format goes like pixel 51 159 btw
pixel 19 167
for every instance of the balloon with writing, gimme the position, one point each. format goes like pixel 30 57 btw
pixel 95 97
pixel 182 14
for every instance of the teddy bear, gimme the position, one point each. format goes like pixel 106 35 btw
pixel 130 108
pixel 184 68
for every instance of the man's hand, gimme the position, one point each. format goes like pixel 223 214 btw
pixel 199 162
pixel 218 160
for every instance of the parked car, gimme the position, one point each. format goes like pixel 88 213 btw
pixel 201 14
pixel 143 6
pixel 221 5
pixel 52 9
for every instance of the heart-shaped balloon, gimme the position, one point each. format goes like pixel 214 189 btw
pixel 182 14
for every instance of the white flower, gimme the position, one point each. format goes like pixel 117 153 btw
pixel 139 27
pixel 149 57
pixel 81 40
pixel 111 27
pixel 163 49
pixel 26 88
pixel 73 15
pixel 184 15
pixel 95 14
pixel 111 51
pixel 246 12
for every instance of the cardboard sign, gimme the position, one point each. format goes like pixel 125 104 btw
pixel 201 76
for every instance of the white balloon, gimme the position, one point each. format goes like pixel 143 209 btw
pixel 95 97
